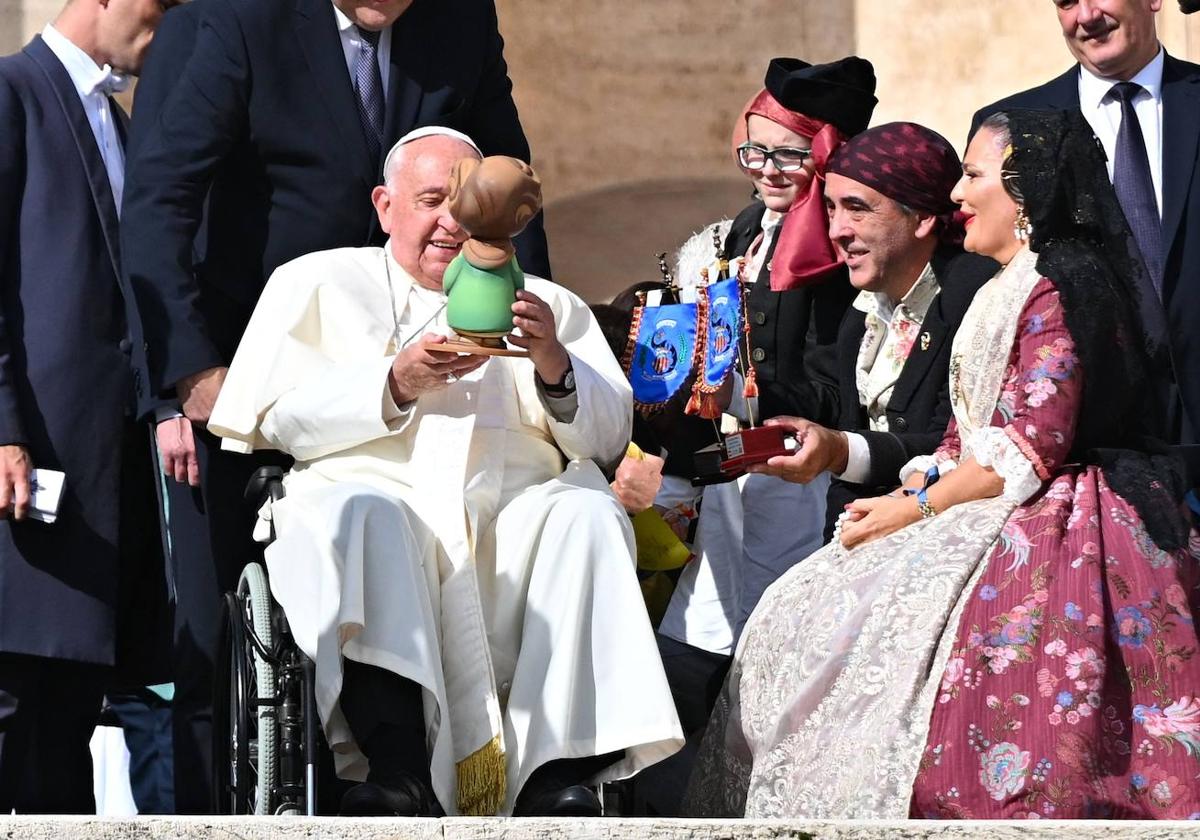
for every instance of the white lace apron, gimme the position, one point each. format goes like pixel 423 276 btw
pixel 826 711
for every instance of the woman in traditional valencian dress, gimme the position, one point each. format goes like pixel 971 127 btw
pixel 1018 638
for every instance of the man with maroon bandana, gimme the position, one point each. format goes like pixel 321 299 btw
pixel 887 192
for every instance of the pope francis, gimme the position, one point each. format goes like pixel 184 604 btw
pixel 449 552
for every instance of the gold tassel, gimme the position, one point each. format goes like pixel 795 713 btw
pixel 482 781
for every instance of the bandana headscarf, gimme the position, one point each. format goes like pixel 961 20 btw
pixel 907 163
pixel 803 253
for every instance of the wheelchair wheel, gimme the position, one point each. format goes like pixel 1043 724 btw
pixel 245 710
pixel 263 734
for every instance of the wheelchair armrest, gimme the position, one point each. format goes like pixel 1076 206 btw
pixel 267 482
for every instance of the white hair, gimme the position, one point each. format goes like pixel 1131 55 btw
pixel 395 155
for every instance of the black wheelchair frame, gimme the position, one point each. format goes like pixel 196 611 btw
pixel 265 724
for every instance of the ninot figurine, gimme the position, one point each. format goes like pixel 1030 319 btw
pixel 493 199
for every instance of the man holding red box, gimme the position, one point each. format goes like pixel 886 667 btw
pixel 891 220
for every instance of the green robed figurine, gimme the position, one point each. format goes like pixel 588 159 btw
pixel 493 199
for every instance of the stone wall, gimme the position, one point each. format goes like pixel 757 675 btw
pixel 938 62
pixel 628 105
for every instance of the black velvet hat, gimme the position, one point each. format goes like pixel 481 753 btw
pixel 841 92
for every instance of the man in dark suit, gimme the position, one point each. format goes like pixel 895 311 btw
pixel 260 151
pixel 891 219
pixel 70 373
pixel 1123 69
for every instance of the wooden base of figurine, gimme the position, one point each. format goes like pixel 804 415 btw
pixel 482 344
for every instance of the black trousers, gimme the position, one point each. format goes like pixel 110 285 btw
pixel 210 528
pixel 384 712
pixel 695 677
pixel 48 709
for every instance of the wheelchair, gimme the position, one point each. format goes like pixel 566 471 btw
pixel 266 731
pixel 267 738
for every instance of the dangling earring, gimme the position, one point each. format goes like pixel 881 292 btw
pixel 1022 229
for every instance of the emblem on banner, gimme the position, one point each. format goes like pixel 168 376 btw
pixel 662 352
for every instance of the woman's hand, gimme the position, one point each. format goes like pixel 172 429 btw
pixel 877 517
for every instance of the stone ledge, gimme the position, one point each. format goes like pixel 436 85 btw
pixel 331 828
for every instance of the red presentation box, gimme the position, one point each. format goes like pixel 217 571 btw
pixel 754 446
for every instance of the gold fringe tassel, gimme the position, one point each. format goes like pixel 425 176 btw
pixel 482 781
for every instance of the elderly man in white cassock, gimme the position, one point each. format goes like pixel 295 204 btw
pixel 449 552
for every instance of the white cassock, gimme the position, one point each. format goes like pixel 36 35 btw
pixel 444 540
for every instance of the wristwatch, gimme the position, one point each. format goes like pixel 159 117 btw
pixel 563 387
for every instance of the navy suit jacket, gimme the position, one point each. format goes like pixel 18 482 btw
pixel 69 363
pixel 1181 208
pixel 262 123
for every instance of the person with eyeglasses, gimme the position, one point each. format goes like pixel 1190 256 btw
pixel 797 292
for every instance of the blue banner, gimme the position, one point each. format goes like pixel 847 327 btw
pixel 724 326
pixel 663 353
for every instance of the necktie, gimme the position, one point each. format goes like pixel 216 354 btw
pixel 1134 186
pixel 108 138
pixel 368 84
pixel 110 81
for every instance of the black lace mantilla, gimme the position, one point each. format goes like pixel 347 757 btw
pixel 1085 247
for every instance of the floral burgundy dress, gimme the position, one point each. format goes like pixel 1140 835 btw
pixel 1032 654
pixel 1073 687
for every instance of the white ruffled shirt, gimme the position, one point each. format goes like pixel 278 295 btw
pixel 892 328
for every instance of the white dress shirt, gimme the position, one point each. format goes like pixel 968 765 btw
pixel 93 84
pixel 352 43
pixel 757 252
pixel 1103 113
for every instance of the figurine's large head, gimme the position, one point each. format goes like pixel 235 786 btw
pixel 493 199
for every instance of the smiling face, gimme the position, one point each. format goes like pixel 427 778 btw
pixel 991 212
pixel 1111 38
pixel 885 245
pixel 414 208
pixel 778 189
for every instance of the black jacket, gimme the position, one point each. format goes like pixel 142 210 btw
pixel 793 345
pixel 70 369
pixel 262 123
pixel 918 409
